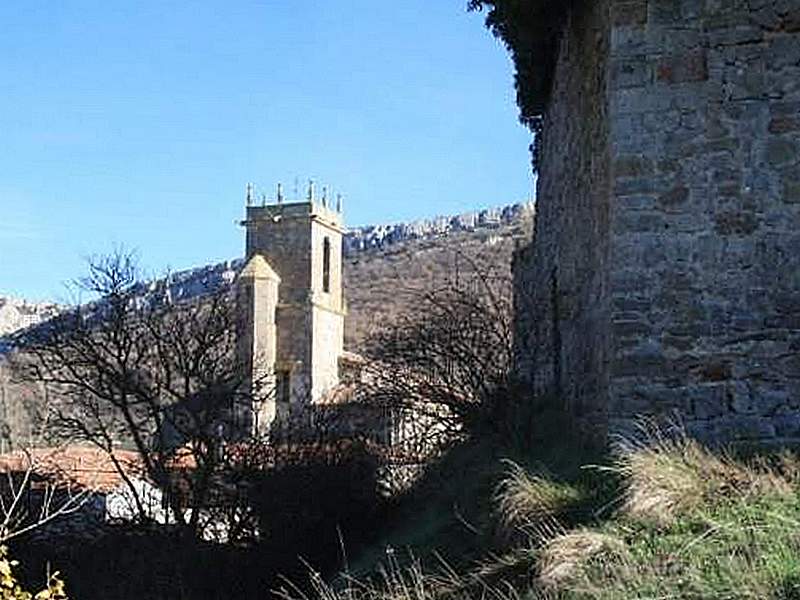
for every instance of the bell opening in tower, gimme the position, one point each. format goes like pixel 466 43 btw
pixel 326 265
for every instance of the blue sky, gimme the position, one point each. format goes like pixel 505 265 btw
pixel 139 123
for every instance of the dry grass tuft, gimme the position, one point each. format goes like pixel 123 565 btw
pixel 394 584
pixel 564 557
pixel 525 501
pixel 670 476
pixel 403 583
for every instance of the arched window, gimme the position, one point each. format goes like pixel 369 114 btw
pixel 326 265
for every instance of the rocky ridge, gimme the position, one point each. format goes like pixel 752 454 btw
pixel 16 313
pixel 378 236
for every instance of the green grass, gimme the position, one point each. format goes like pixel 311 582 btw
pixel 664 520
pixel 448 516
pixel 742 549
pixel 695 525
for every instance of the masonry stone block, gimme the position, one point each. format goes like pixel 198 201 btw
pixel 664 12
pixel 791 192
pixel 787 426
pixel 629 13
pixel 766 17
pixel 791 21
pixel 632 165
pixel 668 401
pixel 784 124
pixel 630 72
pixel 703 430
pixel 726 33
pixel 683 68
pixel 745 428
pixel 709 401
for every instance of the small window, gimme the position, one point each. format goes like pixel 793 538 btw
pixel 326 265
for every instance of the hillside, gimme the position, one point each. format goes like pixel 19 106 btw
pixel 385 280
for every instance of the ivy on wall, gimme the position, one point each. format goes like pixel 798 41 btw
pixel 530 29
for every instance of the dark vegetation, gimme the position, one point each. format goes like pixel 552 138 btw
pixel 446 364
pixel 308 504
pixel 530 30
pixel 308 512
pixel 159 377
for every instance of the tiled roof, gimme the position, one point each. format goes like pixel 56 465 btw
pixel 81 466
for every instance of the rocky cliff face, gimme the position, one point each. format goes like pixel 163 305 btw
pixel 379 236
pixel 16 314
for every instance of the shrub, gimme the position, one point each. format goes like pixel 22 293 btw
pixel 11 589
pixel 530 30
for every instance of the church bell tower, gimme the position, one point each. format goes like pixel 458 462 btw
pixel 294 253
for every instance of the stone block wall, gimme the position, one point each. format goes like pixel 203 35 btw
pixel 696 309
pixel 282 234
pixel 328 345
pixel 561 281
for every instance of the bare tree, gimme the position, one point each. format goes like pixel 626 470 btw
pixel 445 368
pixel 133 368
pixel 32 495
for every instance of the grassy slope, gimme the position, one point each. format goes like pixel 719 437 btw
pixel 674 521
pixel 696 525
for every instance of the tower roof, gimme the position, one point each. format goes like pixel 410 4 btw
pixel 258 268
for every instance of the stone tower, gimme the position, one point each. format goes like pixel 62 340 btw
pixel 294 256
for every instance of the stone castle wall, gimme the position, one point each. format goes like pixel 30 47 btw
pixel 696 309
pixel 561 291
